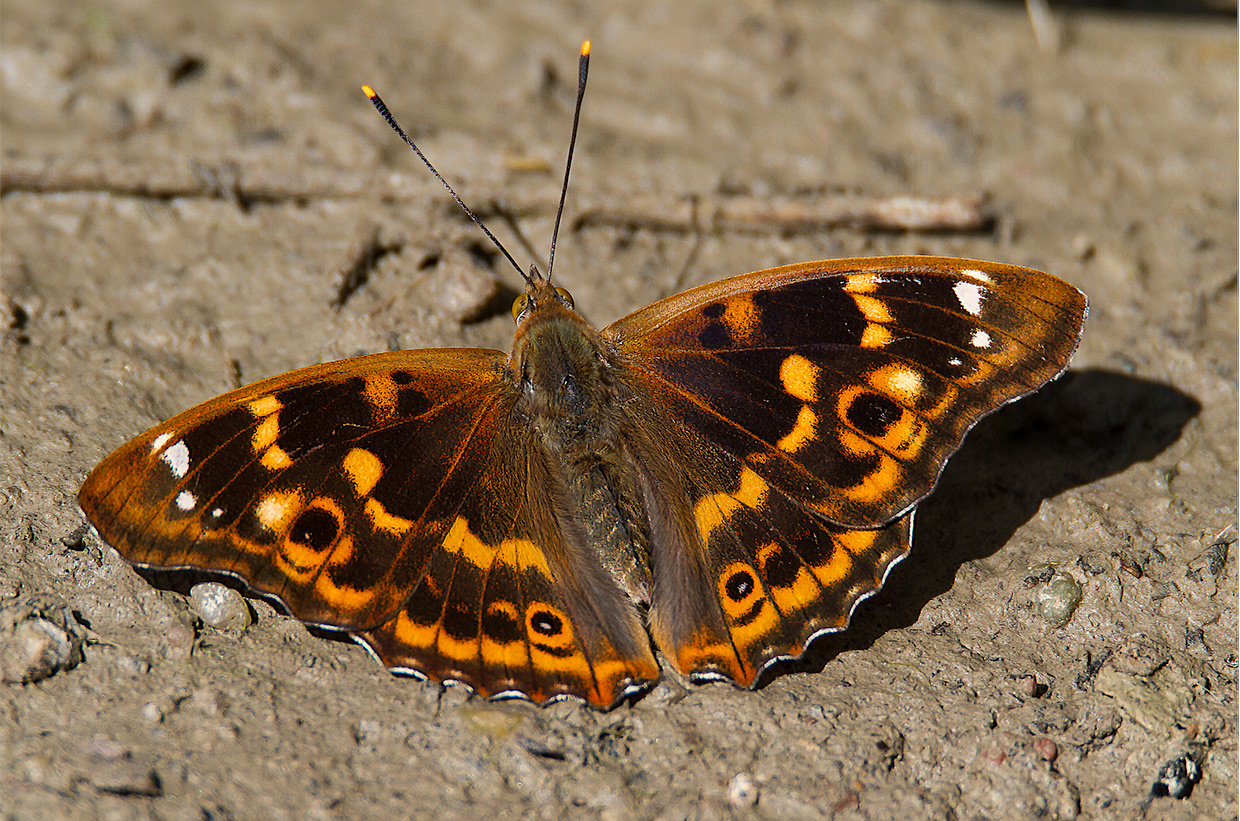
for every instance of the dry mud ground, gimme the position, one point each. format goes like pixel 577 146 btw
pixel 187 186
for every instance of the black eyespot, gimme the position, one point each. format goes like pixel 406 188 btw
pixel 713 311
pixel 739 585
pixel 873 414
pixel 315 529
pixel 546 623
pixel 715 336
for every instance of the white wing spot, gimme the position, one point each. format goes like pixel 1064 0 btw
pixel 954 362
pixel 159 441
pixel 177 458
pixel 976 274
pixel 980 339
pixel 186 501
pixel 217 512
pixel 970 297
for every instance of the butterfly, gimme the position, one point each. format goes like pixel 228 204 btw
pixel 722 475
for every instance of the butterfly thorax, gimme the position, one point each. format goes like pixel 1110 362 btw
pixel 558 363
pixel 569 398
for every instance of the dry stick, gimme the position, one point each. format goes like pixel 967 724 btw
pixel 190 180
pixel 652 212
pixel 793 216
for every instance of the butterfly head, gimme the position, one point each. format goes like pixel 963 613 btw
pixel 557 359
pixel 539 296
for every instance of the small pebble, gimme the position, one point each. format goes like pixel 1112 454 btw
pixel 105 748
pixel 742 792
pixel 220 606
pixel 367 731
pixel 491 720
pixel 1046 749
pixel 206 701
pixel 461 293
pixel 133 664
pixel 1176 778
pixel 38 638
pixel 1083 247
pixel 178 640
pixel 1026 685
pixel 1057 599
pixel 127 778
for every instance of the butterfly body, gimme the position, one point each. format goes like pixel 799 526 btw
pixel 722 475
pixel 570 396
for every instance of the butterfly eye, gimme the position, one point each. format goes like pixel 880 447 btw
pixel 564 296
pixel 519 305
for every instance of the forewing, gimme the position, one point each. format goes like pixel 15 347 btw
pixel 311 487
pixel 847 384
pixel 385 496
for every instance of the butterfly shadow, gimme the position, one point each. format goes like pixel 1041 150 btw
pixel 1086 426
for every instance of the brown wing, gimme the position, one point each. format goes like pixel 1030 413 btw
pixel 802 414
pixel 850 382
pixel 506 606
pixel 388 496
pixel 744 573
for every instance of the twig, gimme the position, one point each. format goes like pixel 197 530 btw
pixel 794 216
pixel 651 212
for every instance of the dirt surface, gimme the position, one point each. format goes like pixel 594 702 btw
pixel 197 195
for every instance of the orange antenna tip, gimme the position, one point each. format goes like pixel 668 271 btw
pixel 369 92
pixel 585 49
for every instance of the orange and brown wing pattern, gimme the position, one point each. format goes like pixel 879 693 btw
pixel 745 574
pixel 381 496
pixel 502 607
pixel 847 384
pixel 303 485
pixel 802 414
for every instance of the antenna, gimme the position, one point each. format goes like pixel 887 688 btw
pixel 387 115
pixel 583 68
